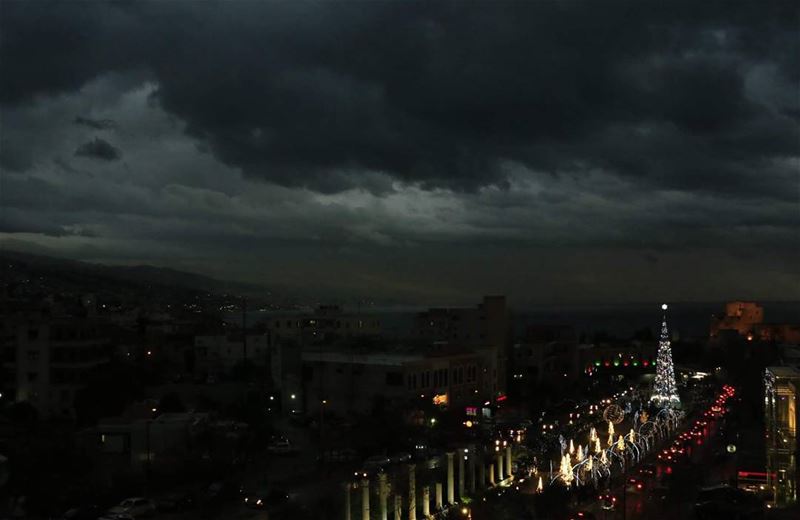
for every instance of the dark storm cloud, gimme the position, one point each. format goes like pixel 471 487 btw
pixel 559 148
pixel 97 124
pixel 14 157
pixel 99 149
pixel 324 94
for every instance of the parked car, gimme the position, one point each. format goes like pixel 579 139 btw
pixel 434 460
pixel 89 512
pixel 137 507
pixel 176 503
pixel 299 418
pixel 223 490
pixel 340 455
pixel 280 445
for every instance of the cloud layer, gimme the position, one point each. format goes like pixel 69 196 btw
pixel 409 149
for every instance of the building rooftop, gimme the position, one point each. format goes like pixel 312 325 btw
pixel 378 358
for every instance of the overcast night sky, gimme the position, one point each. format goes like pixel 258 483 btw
pixel 425 152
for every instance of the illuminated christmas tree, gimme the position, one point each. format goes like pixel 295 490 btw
pixel 665 393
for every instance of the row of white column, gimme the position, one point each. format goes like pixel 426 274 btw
pixel 496 474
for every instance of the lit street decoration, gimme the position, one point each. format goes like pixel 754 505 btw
pixel 565 471
pixel 665 392
pixel 613 414
pixel 540 486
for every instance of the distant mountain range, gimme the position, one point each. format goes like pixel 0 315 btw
pixel 17 267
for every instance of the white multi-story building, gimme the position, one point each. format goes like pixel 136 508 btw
pixel 358 382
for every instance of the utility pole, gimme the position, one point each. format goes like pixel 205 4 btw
pixel 244 329
pixel 624 485
pixel 147 463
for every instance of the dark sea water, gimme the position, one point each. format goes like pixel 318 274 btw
pixel 688 319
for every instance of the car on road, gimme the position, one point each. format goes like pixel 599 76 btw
pixel 607 501
pixel 400 457
pixel 648 470
pixel 635 485
pixel 728 503
pixel 366 472
pixel 659 492
pixel 265 500
pixel 582 515
pixel 377 461
pixel 136 507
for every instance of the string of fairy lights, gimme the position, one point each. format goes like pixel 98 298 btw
pixel 596 459
pixel 665 391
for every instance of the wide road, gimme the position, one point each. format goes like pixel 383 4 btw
pixel 670 493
